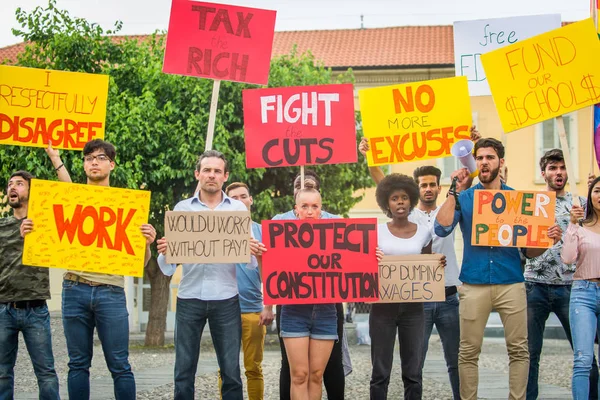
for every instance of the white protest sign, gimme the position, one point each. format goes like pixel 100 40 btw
pixel 474 38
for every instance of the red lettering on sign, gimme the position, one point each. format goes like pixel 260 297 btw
pixel 101 219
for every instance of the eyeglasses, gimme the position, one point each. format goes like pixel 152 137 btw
pixel 99 157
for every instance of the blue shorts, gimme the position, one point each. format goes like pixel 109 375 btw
pixel 317 321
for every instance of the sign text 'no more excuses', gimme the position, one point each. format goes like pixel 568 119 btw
pixel 299 126
pixel 415 121
pixel 219 41
pixel 320 261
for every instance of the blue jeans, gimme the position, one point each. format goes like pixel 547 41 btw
pixel 444 315
pixel 226 331
pixel 542 299
pixel 84 308
pixel 584 318
pixel 34 323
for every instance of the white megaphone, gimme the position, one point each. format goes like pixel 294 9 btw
pixel 463 150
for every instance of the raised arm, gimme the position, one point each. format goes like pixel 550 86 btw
pixel 569 251
pixel 59 166
pixel 376 172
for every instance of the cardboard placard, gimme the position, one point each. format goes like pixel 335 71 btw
pixel 545 76
pixel 414 278
pixel 320 261
pixel 303 125
pixel 208 237
pixel 513 218
pixel 474 38
pixel 415 121
pixel 87 228
pixel 219 41
pixel 37 105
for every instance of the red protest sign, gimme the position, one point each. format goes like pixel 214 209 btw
pixel 302 125
pixel 219 41
pixel 320 261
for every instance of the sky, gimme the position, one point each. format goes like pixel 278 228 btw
pixel 143 17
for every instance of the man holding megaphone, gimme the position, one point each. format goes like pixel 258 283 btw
pixel 444 314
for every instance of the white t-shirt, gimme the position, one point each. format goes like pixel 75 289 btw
pixel 441 245
pixel 394 246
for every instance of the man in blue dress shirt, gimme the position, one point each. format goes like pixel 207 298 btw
pixel 207 292
pixel 492 278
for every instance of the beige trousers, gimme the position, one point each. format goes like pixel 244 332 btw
pixel 476 304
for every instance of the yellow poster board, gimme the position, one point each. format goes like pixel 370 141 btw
pixel 513 218
pixel 545 76
pixel 86 228
pixel 37 104
pixel 415 121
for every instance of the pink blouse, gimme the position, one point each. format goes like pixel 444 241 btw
pixel 582 246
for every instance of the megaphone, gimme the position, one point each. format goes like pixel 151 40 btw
pixel 463 151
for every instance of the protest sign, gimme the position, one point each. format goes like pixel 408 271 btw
pixel 545 76
pixel 512 218
pixel 303 125
pixel 474 38
pixel 87 228
pixel 320 261
pixel 208 236
pixel 415 121
pixel 411 279
pixel 219 41
pixel 37 105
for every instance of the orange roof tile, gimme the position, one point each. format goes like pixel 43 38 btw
pixel 381 47
pixel 403 46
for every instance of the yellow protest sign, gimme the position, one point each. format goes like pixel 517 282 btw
pixel 40 104
pixel 512 218
pixel 86 228
pixel 545 76
pixel 415 121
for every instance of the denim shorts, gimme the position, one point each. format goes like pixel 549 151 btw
pixel 317 321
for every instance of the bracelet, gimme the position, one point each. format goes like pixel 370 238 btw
pixel 59 167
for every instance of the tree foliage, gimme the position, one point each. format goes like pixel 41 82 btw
pixel 158 122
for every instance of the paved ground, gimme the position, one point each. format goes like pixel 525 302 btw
pixel 154 372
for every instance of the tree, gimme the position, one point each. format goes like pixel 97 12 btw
pixel 158 123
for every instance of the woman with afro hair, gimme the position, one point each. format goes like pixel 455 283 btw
pixel 397 195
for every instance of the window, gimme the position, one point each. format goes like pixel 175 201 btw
pixel 547 139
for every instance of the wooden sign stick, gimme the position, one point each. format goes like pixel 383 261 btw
pixel 564 144
pixel 214 100
pixel 302 177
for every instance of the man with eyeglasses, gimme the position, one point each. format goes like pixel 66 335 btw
pixel 97 301
pixel 23 294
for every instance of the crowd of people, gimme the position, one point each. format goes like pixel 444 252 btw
pixel 523 285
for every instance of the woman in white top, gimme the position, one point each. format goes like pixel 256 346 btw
pixel 397 195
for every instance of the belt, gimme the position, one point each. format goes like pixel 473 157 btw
pixel 450 290
pixel 76 278
pixel 26 304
